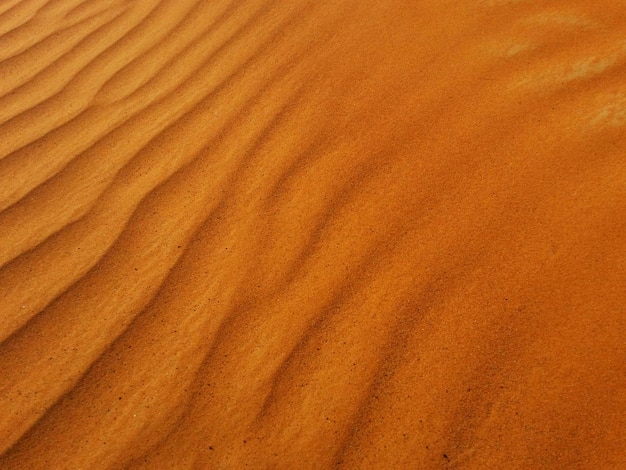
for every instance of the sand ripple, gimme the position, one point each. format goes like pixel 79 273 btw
pixel 355 234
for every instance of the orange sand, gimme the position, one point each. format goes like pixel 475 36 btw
pixel 312 234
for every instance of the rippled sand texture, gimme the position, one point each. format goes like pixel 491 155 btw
pixel 312 234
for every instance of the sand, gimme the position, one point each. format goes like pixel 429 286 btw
pixel 303 234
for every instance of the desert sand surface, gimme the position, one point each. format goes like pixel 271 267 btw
pixel 312 234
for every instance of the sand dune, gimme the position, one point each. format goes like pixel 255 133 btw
pixel 353 234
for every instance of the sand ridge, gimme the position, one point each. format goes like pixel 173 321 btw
pixel 264 234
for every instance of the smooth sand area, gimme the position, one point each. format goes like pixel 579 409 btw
pixel 308 234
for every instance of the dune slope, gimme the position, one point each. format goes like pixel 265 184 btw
pixel 352 234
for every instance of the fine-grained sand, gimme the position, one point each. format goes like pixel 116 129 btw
pixel 312 234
